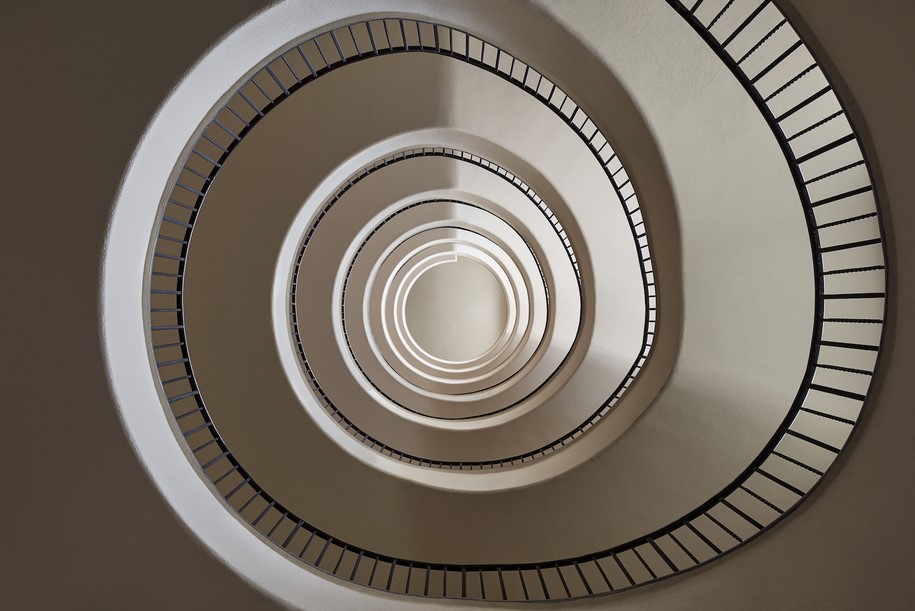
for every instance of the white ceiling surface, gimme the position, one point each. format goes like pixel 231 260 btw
pixel 89 529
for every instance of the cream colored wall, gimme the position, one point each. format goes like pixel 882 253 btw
pixel 89 531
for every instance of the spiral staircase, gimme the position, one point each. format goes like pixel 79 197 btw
pixel 414 304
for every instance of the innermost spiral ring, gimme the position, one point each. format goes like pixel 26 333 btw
pixel 456 310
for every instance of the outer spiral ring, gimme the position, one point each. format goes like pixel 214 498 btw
pixel 651 541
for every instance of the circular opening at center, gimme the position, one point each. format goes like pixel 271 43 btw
pixel 456 310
